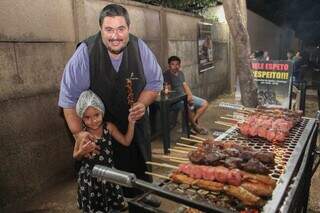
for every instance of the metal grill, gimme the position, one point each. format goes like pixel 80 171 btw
pixel 282 151
pixel 288 157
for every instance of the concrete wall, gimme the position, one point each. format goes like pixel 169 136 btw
pixel 37 38
pixel 264 35
pixel 183 43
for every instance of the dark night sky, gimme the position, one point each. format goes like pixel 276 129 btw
pixel 303 16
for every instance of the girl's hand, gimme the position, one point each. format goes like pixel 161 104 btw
pixel 137 111
pixel 88 148
pixel 131 118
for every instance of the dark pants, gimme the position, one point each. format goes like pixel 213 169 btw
pixel 131 160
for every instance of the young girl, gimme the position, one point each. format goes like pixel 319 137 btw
pixel 95 195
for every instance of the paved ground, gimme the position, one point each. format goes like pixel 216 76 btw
pixel 61 197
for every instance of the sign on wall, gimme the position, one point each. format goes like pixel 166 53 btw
pixel 273 79
pixel 205 46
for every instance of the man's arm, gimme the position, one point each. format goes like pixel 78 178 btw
pixel 147 97
pixel 154 81
pixel 73 120
pixel 75 80
pixel 187 90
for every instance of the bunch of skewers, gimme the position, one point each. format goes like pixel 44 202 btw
pixel 226 167
pixel 272 124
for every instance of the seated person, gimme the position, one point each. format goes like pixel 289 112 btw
pixel 174 77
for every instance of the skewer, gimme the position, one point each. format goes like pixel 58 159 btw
pixel 162 164
pixel 157 175
pixel 198 138
pixel 225 123
pixel 190 140
pixel 183 148
pixel 175 158
pixel 242 111
pixel 179 161
pixel 231 119
pixel 179 151
pixel 229 115
pixel 189 146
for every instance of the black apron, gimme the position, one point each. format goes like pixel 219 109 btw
pixel 109 85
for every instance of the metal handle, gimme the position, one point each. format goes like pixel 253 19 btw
pixel 113 175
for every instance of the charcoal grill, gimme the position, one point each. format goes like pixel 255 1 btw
pixel 293 164
pixel 293 171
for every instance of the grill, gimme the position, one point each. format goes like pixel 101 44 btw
pixel 292 157
pixel 293 171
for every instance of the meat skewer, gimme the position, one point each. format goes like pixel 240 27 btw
pixel 244 195
pixel 176 158
pixel 225 123
pixel 182 148
pixel 272 124
pixel 197 138
pixel 179 151
pixel 158 175
pixel 130 96
pixel 191 140
pixel 261 185
pixel 232 155
pixel 185 145
pixel 129 88
pixel 273 128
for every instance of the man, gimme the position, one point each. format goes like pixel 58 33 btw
pixel 297 62
pixel 289 55
pixel 176 80
pixel 102 63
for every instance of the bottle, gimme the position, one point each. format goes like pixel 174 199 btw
pixel 166 88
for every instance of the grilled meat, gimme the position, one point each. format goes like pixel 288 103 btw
pixel 232 155
pixel 271 124
pixel 246 197
pixel 255 166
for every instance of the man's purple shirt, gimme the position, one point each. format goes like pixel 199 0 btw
pixel 76 76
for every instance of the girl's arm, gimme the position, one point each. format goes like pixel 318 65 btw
pixel 116 134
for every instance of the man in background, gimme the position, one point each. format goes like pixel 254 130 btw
pixel 176 80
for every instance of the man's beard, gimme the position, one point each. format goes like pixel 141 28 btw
pixel 117 52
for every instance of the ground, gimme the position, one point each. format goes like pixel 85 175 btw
pixel 62 197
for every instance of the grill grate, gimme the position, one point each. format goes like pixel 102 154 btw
pixel 282 150
pixel 286 159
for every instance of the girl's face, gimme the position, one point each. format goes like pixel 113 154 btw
pixel 92 118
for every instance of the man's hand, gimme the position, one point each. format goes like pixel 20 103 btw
pixel 137 111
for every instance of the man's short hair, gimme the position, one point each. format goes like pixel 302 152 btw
pixel 174 58
pixel 112 10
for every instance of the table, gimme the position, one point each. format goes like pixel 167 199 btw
pixel 165 102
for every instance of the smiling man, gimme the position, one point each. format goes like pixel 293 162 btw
pixel 102 63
